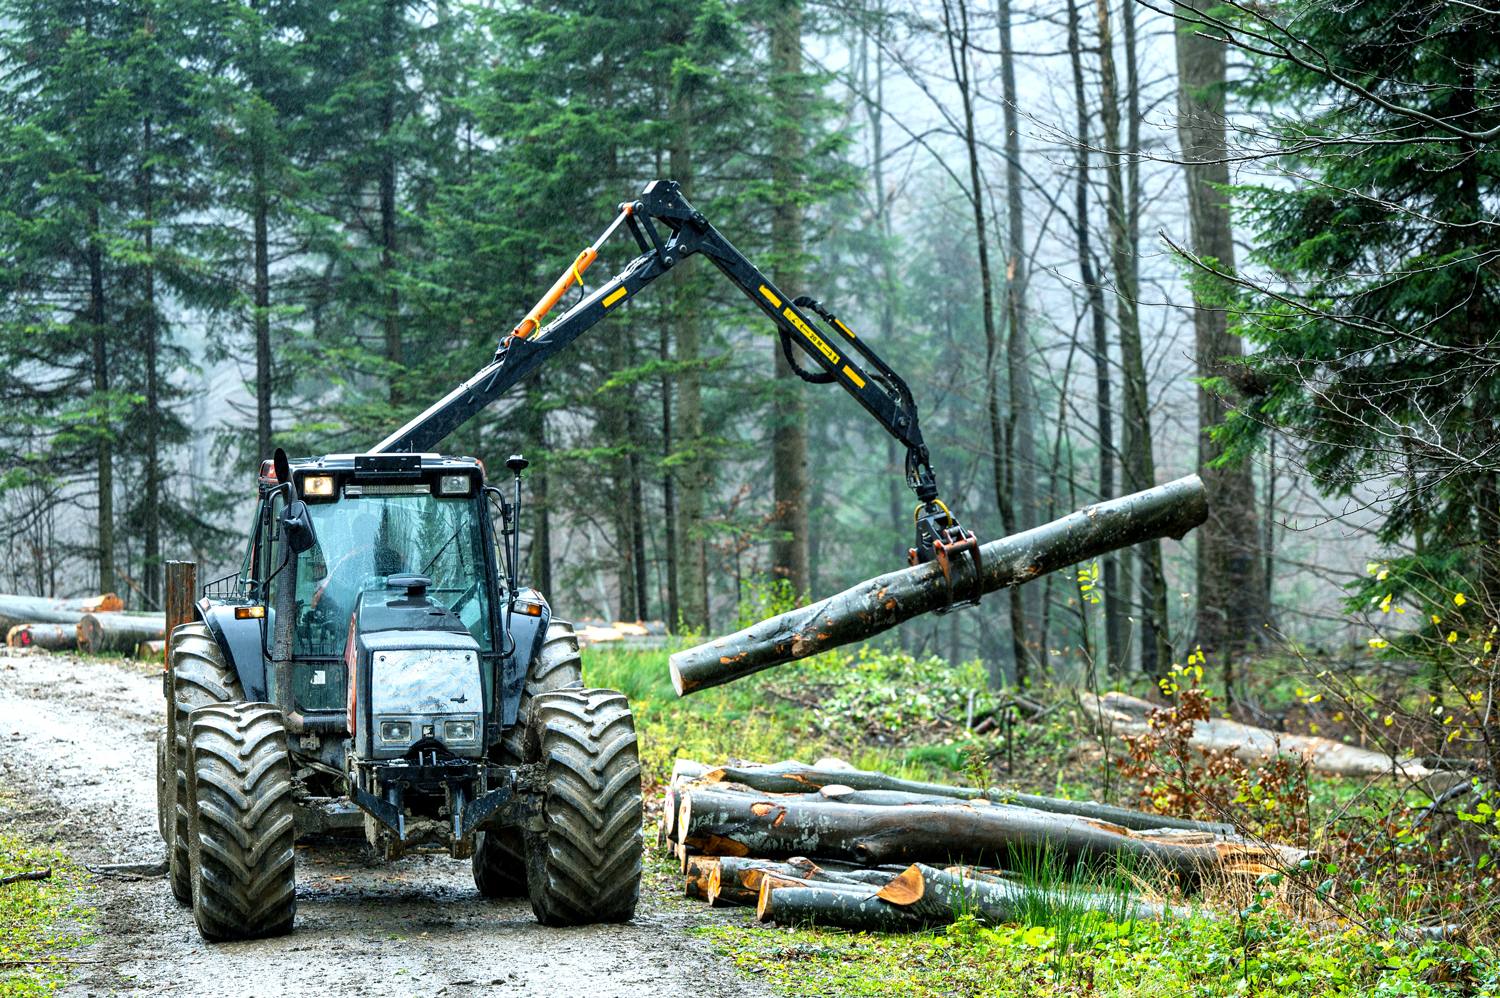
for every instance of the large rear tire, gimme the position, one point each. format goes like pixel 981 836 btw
pixel 200 677
pixel 499 859
pixel 163 782
pixel 584 866
pixel 243 830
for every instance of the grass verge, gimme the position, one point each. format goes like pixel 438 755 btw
pixel 40 921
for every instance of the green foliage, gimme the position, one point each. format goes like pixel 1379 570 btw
pixel 1382 288
pixel 1200 957
pixel 40 921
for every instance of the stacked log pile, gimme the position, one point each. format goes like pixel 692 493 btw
pixel 897 855
pixel 86 623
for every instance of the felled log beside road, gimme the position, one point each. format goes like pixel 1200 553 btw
pixel 44 610
pixel 1127 715
pixel 795 777
pixel 743 824
pixel 119 632
pixel 885 601
pixel 53 637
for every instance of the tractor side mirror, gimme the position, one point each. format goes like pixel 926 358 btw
pixel 296 526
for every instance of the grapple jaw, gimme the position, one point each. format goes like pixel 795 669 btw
pixel 941 538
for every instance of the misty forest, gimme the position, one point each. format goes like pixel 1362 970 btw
pixel 1105 245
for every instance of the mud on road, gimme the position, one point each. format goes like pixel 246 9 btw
pixel 77 753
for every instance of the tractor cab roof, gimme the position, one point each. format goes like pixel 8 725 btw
pixel 383 467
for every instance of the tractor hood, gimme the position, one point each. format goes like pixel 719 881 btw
pixel 417 676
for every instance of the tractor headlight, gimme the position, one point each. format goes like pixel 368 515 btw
pixel 395 732
pixel 458 732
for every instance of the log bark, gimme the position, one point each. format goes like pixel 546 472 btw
pixel 119 632
pixel 823 905
pixel 53 637
pixel 701 872
pixel 885 601
pixel 737 879
pixel 740 824
pixel 43 610
pixel 1123 714
pixel 794 777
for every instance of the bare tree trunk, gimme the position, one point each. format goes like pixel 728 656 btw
pixel 261 268
pixel 392 305
pixel 956 35
pixel 151 500
pixel 1139 463
pixel 1114 637
pixel 789 551
pixel 104 453
pixel 1020 425
pixel 1231 613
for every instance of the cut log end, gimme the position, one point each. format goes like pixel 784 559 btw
pixel 904 888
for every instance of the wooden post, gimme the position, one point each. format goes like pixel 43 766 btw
pixel 181 594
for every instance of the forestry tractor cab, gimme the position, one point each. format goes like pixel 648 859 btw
pixel 377 664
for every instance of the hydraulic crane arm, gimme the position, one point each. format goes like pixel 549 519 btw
pixel 843 358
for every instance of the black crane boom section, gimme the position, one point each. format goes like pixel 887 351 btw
pixel 842 356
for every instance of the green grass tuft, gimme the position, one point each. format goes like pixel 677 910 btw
pixel 40 921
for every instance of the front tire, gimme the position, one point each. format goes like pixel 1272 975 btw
pixel 242 826
pixel 499 860
pixel 200 677
pixel 584 866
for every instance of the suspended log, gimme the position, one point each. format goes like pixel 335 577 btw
pixel 795 777
pixel 1126 715
pixel 119 632
pixel 740 824
pixel 45 610
pixel 885 601
pixel 53 637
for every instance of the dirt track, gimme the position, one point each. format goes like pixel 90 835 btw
pixel 76 748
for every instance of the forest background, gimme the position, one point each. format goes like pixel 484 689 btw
pixel 1105 244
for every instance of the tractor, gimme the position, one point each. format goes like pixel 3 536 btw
pixel 377 665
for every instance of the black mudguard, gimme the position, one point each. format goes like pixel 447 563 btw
pixel 527 633
pixel 244 651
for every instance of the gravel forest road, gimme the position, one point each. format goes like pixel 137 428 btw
pixel 76 757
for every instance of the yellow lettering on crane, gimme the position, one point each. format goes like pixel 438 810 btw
pixel 770 296
pixel 614 296
pixel 812 337
pixel 850 373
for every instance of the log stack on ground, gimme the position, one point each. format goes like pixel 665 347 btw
pixel 881 603
pixel 52 637
pixel 16 610
pixel 882 849
pixel 119 632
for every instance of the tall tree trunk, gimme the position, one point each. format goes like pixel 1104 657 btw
pixel 151 500
pixel 541 541
pixel 104 457
pixel 1139 463
pixel 672 606
pixel 789 551
pixel 1231 612
pixel 1020 429
pixel 260 209
pixel 691 470
pixel 956 34
pixel 1104 404
pixel 391 317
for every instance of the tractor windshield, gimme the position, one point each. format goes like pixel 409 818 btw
pixel 363 539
